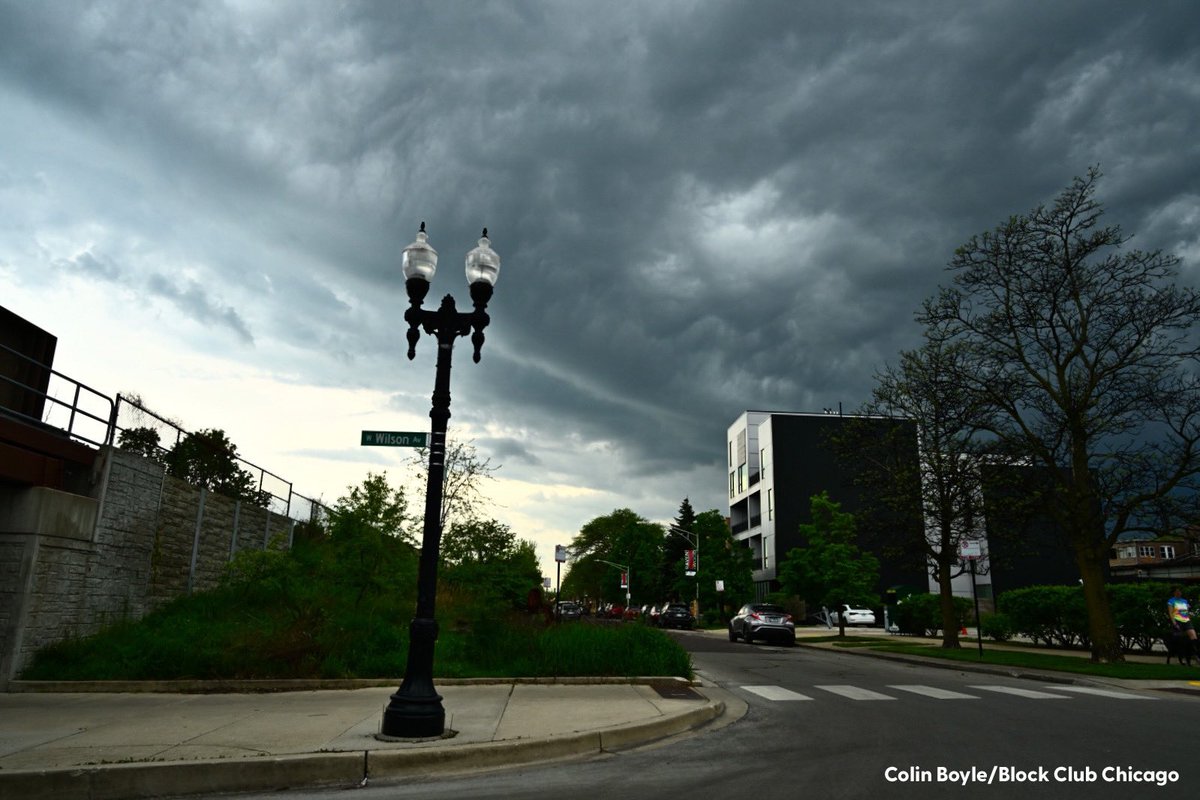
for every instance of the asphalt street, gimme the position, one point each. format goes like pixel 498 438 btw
pixel 817 723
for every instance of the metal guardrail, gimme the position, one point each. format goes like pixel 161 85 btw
pixel 94 418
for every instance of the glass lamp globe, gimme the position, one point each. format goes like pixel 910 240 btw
pixel 483 264
pixel 419 260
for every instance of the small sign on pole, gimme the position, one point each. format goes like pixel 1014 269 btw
pixel 560 553
pixel 394 439
pixel 624 580
pixel 970 550
pixel 690 564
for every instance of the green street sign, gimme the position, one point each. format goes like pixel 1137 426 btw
pixel 394 439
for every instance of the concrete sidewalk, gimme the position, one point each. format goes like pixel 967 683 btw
pixel 103 744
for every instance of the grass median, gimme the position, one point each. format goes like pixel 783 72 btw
pixel 1021 659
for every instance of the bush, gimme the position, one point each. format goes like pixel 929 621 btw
pixel 921 614
pixel 1047 614
pixel 997 627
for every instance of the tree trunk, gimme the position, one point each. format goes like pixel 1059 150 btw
pixel 1102 629
pixel 949 618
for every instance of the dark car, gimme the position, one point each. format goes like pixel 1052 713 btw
pixel 677 615
pixel 762 621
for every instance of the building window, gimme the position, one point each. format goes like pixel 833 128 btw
pixel 1146 550
pixel 770 504
pixel 762 463
pixel 741 478
pixel 1166 551
pixel 731 484
pixel 731 454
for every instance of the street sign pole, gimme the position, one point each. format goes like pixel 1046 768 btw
pixel 971 551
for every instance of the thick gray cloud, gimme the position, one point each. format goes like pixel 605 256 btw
pixel 701 207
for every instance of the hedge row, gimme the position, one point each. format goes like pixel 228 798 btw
pixel 1057 615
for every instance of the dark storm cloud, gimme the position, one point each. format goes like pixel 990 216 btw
pixel 701 207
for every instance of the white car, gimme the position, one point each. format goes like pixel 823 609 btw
pixel 856 616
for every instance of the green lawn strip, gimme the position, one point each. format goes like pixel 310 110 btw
pixel 1047 661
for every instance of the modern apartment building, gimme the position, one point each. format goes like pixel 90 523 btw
pixel 777 461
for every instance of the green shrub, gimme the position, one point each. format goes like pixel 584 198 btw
pixel 921 614
pixel 997 627
pixel 1047 614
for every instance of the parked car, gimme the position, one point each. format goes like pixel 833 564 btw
pixel 653 616
pixel 677 615
pixel 569 611
pixel 762 621
pixel 855 616
pixel 631 613
pixel 615 611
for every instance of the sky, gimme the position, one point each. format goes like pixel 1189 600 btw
pixel 700 208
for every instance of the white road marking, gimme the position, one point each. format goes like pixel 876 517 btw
pixel 1030 693
pixel 934 692
pixel 776 693
pixel 854 693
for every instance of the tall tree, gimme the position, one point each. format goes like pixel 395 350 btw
pixel 721 559
pixel 938 493
pixel 486 557
pixel 830 569
pixel 674 546
pixel 368 533
pixel 621 537
pixel 1086 354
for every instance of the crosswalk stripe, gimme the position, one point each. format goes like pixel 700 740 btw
pixel 854 693
pixel 776 693
pixel 1030 693
pixel 1102 692
pixel 934 692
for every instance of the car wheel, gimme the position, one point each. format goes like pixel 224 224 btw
pixel 732 634
pixel 749 636
pixel 791 642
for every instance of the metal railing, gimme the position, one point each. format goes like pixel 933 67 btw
pixel 94 418
pixel 92 427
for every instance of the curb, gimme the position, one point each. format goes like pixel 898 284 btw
pixel 265 686
pixel 322 770
pixel 1065 678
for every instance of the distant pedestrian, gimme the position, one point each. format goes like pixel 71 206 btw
pixel 1180 614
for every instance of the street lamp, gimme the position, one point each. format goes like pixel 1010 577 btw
pixel 415 710
pixel 694 540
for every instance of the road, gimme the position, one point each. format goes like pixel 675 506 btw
pixel 825 724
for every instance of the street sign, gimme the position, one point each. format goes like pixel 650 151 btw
pixel 970 550
pixel 560 553
pixel 689 564
pixel 394 439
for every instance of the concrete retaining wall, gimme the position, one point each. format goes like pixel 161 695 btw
pixel 70 565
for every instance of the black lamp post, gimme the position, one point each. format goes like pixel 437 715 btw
pixel 415 710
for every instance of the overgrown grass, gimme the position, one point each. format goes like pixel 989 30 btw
pixel 1049 661
pixel 281 616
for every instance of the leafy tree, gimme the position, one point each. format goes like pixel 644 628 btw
pixel 207 458
pixel 373 551
pixel 1085 353
pixel 938 495
pixel 724 559
pixel 462 495
pixel 621 537
pixel 486 557
pixel 830 569
pixel 142 441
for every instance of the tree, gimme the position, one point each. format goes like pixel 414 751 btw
pixel 1085 354
pixel 462 496
pixel 486 557
pixel 624 538
pixel 721 559
pixel 373 551
pixel 207 458
pixel 675 545
pixel 830 569
pixel 938 494
pixel 142 441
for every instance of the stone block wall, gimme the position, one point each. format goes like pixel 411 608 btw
pixel 154 538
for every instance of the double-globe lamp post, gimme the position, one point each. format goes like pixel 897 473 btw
pixel 415 710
